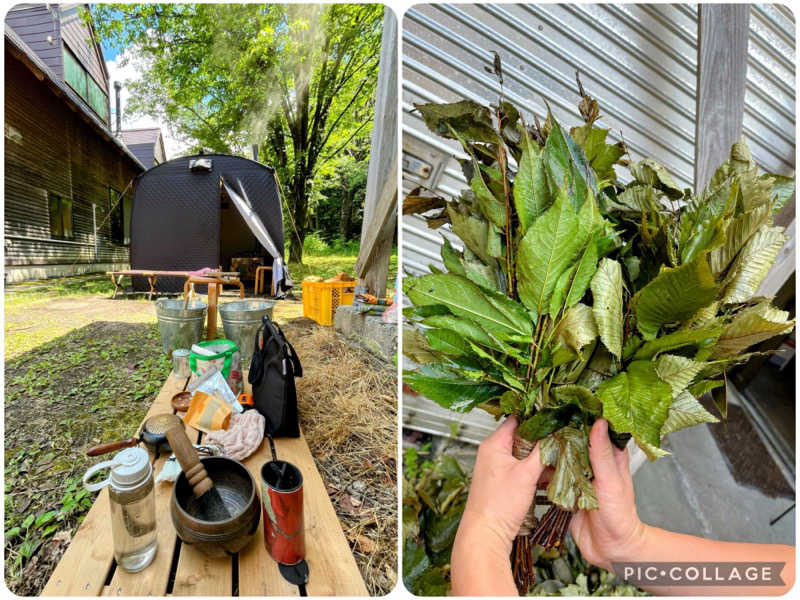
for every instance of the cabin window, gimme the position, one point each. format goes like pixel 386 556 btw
pixel 88 89
pixel 61 217
pixel 120 217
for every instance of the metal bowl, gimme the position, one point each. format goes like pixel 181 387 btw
pixel 237 488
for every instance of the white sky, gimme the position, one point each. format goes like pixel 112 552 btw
pixel 116 72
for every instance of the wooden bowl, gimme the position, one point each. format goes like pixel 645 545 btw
pixel 237 488
pixel 181 401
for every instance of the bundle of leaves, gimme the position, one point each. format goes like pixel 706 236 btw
pixel 434 495
pixel 577 296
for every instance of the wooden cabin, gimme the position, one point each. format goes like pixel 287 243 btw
pixel 68 180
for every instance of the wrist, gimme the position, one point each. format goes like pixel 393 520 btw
pixel 480 530
pixel 634 548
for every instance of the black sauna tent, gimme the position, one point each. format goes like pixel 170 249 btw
pixel 201 211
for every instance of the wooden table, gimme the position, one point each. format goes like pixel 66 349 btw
pixel 214 290
pixel 88 567
pixel 152 277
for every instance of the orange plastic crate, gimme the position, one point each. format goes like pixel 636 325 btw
pixel 322 298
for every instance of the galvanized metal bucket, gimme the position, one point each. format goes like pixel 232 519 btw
pixel 241 320
pixel 179 327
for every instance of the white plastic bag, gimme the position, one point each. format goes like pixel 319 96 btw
pixel 213 383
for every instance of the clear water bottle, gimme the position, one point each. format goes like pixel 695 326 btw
pixel 133 507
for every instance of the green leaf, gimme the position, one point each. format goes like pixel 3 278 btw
pixel 468 118
pixel 702 387
pixel 452 258
pixel 50 529
pixel 651 173
pixel 446 341
pixel 607 304
pixel 751 326
pixel 686 411
pixel 11 533
pixel 416 346
pixel 674 295
pixel 782 190
pixel 463 298
pixel 545 422
pixel 585 270
pixel 485 275
pixel 636 401
pixel 28 521
pixel 463 327
pixel 415 562
pixel 753 263
pixel 601 156
pixel 577 394
pixel 571 486
pixel 431 582
pixel 471 230
pixel 491 207
pixel 702 337
pixel 546 250
pixel 531 196
pixel 449 389
pixel 45 518
pixel 738 232
pixel 677 371
pixel 577 328
pixel 568 167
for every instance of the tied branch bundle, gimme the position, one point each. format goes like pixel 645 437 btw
pixel 575 295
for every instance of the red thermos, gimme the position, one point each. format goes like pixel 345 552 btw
pixel 282 505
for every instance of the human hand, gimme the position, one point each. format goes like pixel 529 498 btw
pixel 502 489
pixel 612 532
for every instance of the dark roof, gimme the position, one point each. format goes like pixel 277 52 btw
pixel 42 71
pixel 141 136
pixel 142 142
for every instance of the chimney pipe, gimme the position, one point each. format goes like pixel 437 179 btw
pixel 117 88
pixel 255 152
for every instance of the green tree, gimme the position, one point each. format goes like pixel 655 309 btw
pixel 297 80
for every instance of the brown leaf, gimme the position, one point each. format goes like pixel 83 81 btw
pixel 365 545
pixel 347 505
pixel 414 205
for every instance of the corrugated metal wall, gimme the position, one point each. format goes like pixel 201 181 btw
pixel 639 61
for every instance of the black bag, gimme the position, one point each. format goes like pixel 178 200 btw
pixel 272 372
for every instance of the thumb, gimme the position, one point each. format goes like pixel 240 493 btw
pixel 601 454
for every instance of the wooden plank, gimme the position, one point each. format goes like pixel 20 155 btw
pixel 258 572
pixel 380 204
pixel 201 575
pixel 84 567
pixel 722 34
pixel 333 569
pixel 153 580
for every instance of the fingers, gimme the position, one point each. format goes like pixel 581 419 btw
pixel 502 438
pixel 622 459
pixel 601 454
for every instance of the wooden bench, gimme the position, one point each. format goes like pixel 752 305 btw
pixel 88 567
pixel 152 277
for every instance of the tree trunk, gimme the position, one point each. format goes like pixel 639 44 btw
pixel 346 220
pixel 299 209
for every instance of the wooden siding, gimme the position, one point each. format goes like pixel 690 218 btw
pixel 50 150
pixel 33 23
pixel 78 38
